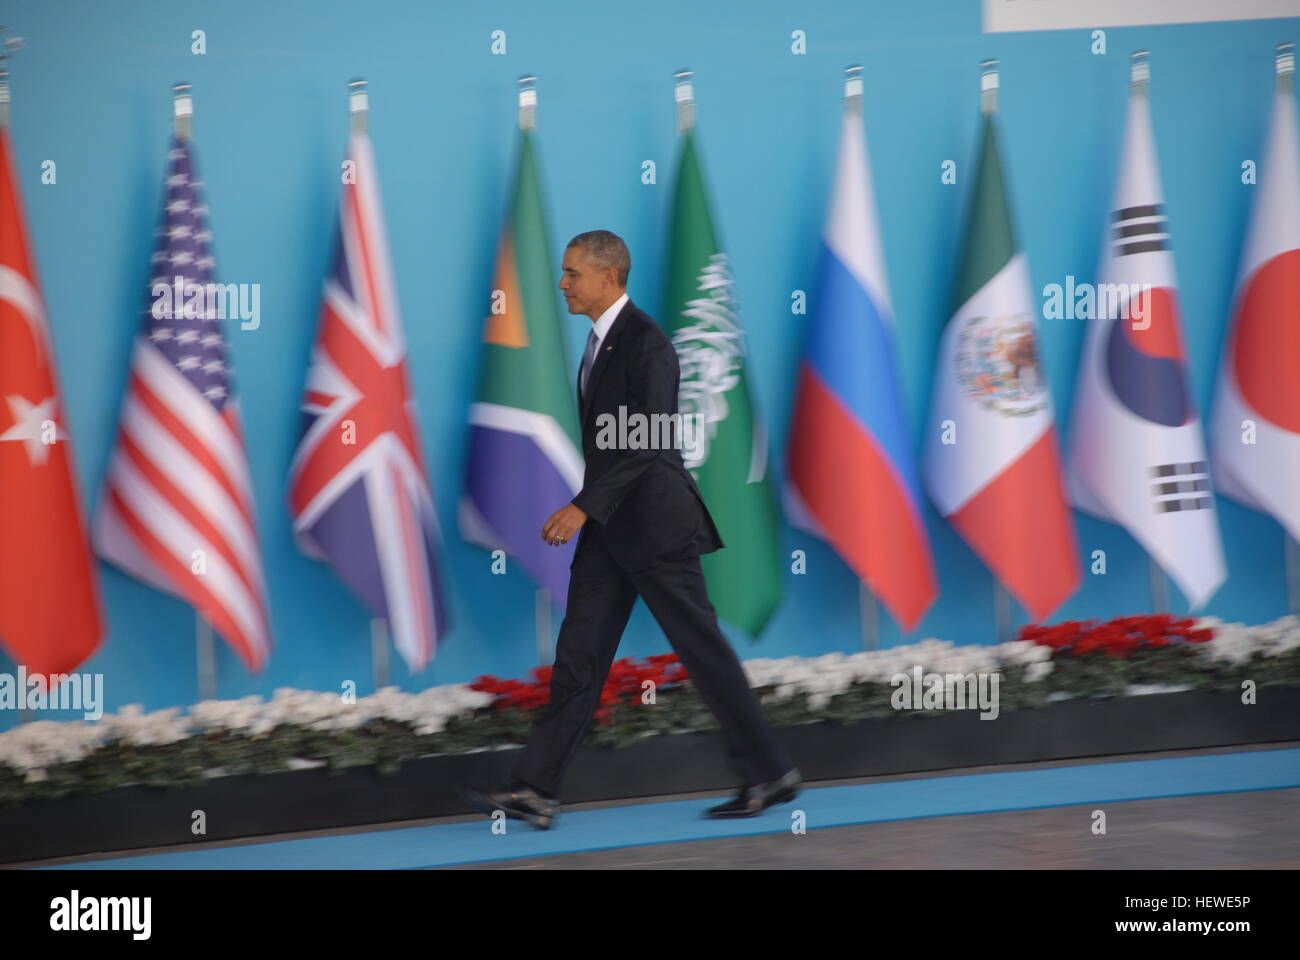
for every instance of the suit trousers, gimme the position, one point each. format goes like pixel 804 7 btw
pixel 600 600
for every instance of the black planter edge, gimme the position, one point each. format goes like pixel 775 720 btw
pixel 236 807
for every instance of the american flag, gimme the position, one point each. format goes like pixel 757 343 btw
pixel 358 490
pixel 177 507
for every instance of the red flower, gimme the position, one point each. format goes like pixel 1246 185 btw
pixel 542 674
pixel 625 684
pixel 1116 638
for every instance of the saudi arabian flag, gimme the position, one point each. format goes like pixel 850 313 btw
pixel 525 461
pixel 729 461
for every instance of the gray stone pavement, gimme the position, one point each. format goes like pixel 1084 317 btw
pixel 1258 829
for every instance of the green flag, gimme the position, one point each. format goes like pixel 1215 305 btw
pixel 729 461
pixel 525 456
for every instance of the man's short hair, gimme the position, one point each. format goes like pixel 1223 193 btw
pixel 607 250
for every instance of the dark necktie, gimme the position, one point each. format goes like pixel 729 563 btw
pixel 588 358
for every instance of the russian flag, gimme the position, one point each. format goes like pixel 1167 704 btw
pixel 852 478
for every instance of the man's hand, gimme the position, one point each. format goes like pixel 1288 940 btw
pixel 563 524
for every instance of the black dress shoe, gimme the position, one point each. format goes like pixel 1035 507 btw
pixel 518 803
pixel 751 801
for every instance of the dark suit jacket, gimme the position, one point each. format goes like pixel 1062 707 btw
pixel 644 501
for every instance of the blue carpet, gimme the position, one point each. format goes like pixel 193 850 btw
pixel 680 820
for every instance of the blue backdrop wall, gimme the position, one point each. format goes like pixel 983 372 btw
pixel 92 93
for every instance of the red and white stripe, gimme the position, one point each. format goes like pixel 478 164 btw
pixel 178 490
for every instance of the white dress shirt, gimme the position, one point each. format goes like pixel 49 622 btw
pixel 605 321
pixel 600 328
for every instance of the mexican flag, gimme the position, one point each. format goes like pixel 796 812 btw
pixel 729 462
pixel 525 459
pixel 992 465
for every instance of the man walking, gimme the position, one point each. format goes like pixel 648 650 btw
pixel 641 527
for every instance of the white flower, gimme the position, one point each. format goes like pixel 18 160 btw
pixel 35 747
pixel 46 743
pixel 1037 671
pixel 231 715
pixel 307 708
pixel 1237 642
pixel 1022 652
pixel 132 725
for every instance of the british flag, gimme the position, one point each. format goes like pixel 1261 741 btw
pixel 177 508
pixel 358 490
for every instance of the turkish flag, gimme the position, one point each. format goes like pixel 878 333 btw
pixel 49 603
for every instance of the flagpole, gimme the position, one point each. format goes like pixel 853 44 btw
pixel 988 87
pixel 1139 76
pixel 1139 82
pixel 1292 573
pixel 359 110
pixel 1159 586
pixel 205 652
pixel 358 104
pixel 10 43
pixel 868 607
pixel 1284 64
pixel 1001 611
pixel 183 110
pixel 542 623
pixel 1001 598
pixel 379 651
pixel 684 93
pixel 527 102
pixel 869 615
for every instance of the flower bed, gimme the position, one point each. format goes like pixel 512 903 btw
pixel 1126 656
